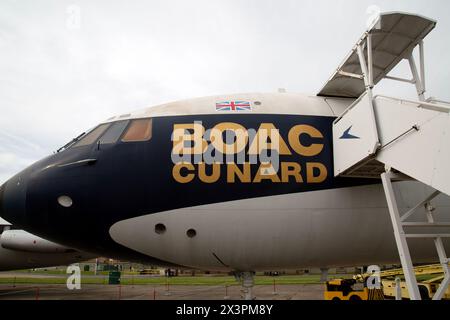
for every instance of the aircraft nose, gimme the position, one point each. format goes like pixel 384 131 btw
pixel 1 200
pixel 13 200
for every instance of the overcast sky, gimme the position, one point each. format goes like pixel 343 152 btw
pixel 67 65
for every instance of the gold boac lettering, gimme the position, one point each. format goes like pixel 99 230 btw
pixel 181 137
pixel 261 142
pixel 294 140
pixel 237 146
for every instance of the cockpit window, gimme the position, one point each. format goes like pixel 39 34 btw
pixel 114 132
pixel 138 130
pixel 92 136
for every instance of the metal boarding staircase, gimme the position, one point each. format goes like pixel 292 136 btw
pixel 392 138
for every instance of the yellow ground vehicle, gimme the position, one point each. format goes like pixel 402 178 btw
pixel 347 289
pixel 343 289
pixel 427 286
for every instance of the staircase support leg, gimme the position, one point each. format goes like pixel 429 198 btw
pixel 445 267
pixel 438 295
pixel 400 239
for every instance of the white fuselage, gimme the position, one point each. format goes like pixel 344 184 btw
pixel 342 227
pixel 218 224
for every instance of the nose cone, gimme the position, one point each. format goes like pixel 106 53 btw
pixel 1 200
pixel 13 200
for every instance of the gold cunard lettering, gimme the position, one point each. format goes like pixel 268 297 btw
pixel 192 141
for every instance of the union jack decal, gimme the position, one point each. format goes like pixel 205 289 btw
pixel 233 106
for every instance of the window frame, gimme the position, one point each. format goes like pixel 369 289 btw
pixel 119 137
pixel 107 126
pixel 131 121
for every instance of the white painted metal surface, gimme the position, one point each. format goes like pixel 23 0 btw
pixel 401 237
pixel 21 240
pixel 402 244
pixel 443 259
pixel 347 226
pixel 3 222
pixel 14 260
pixel 261 103
pixel 391 37
pixel 354 135
pixel 411 136
pixel 415 141
pixel 20 250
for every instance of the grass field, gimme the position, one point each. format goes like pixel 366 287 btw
pixel 58 272
pixel 160 280
pixel 180 280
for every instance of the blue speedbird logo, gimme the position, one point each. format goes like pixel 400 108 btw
pixel 348 135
